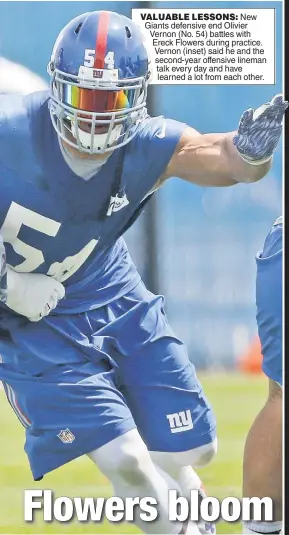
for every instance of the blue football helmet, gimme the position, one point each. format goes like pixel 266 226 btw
pixel 99 70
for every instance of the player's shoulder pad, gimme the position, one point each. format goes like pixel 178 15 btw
pixel 18 113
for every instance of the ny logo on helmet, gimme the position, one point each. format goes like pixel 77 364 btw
pixel 97 73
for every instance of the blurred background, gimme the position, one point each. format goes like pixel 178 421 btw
pixel 195 245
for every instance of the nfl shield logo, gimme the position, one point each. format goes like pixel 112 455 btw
pixel 66 436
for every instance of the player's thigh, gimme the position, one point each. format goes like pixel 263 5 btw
pixel 168 403
pixel 160 385
pixel 68 410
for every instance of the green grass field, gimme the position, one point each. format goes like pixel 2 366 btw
pixel 236 400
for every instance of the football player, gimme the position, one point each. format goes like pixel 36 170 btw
pixel 90 363
pixel 263 451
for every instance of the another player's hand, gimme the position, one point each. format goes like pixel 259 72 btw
pixel 32 295
pixel 260 130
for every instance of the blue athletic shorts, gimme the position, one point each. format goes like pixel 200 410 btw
pixel 120 367
pixel 269 302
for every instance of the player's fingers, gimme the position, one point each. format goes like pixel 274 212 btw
pixel 277 114
pixel 275 109
pixel 60 291
pixel 278 100
pixel 57 294
pixel 281 108
pixel 36 318
pixel 52 303
pixel 247 116
pixel 48 307
pixel 246 120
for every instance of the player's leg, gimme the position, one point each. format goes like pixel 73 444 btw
pixel 75 408
pixel 180 466
pixel 161 388
pixel 179 441
pixel 126 462
pixel 67 409
pixel 262 473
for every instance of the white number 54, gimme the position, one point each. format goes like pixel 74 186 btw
pixel 89 55
pixel 17 216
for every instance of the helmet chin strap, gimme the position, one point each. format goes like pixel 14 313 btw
pixel 99 140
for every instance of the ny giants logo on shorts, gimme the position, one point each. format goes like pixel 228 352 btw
pixel 66 436
pixel 180 421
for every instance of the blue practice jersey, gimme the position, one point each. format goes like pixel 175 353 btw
pixel 54 222
pixel 269 302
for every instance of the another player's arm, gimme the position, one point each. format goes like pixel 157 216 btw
pixel 212 160
pixel 226 159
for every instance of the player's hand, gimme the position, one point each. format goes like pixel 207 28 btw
pixel 32 295
pixel 260 130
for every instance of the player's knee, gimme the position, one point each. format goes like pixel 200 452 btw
pixel 125 457
pixel 200 456
pixel 196 457
pixel 207 454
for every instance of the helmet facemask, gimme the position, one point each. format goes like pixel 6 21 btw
pixel 94 111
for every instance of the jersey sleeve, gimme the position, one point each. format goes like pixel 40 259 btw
pixel 269 302
pixel 152 150
pixel 165 137
pixel 3 272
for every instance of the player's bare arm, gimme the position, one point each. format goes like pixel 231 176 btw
pixel 212 160
pixel 229 158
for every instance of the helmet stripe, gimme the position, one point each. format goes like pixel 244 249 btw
pixel 101 39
